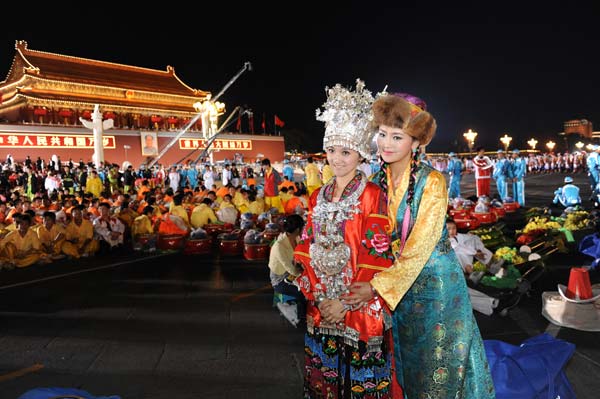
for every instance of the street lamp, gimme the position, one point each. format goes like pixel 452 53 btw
pixel 532 143
pixel 589 147
pixel 550 145
pixel 506 139
pixel 470 136
pixel 579 145
pixel 126 147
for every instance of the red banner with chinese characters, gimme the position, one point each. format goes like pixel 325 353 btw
pixel 220 144
pixel 35 140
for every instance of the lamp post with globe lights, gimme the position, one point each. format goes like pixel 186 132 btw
pixel 579 145
pixel 470 137
pixel 532 143
pixel 551 144
pixel 506 139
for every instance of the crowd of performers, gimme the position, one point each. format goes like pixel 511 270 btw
pixel 53 211
pixel 508 170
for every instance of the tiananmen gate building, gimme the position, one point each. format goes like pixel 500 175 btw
pixel 45 94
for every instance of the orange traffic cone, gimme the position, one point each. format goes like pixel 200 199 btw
pixel 580 286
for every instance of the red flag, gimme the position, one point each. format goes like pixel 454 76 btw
pixel 238 125
pixel 263 124
pixel 279 122
pixel 251 121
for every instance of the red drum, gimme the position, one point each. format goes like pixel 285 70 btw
pixel 145 242
pixel 459 213
pixel 484 217
pixel 202 246
pixel 231 247
pixel 170 242
pixel 144 239
pixel 262 224
pixel 227 228
pixel 467 224
pixel 213 229
pixel 271 235
pixel 500 212
pixel 510 207
pixel 256 251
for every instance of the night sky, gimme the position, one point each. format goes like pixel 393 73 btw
pixel 517 69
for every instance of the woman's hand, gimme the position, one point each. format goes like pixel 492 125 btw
pixel 361 292
pixel 332 310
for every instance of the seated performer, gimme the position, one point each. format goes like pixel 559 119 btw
pixel 567 195
pixel 52 236
pixel 468 248
pixel 203 214
pixel 108 229
pixel 21 247
pixel 80 235
pixel 283 270
pixel 143 226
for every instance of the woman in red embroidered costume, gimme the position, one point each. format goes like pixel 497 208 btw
pixel 345 240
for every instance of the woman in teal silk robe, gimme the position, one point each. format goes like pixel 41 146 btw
pixel 438 350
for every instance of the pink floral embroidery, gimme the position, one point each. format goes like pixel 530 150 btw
pixel 380 242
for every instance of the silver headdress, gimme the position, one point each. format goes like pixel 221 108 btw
pixel 347 116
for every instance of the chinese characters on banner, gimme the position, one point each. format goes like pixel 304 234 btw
pixel 190 144
pixel 16 140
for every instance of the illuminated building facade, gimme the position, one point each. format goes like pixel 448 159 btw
pixel 45 94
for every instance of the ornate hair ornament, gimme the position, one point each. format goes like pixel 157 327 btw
pixel 416 103
pixel 347 116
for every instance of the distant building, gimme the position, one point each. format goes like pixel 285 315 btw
pixel 583 127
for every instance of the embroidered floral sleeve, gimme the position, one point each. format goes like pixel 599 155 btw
pixel 375 253
pixel 301 255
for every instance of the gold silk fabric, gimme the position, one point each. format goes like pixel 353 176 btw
pixel 393 283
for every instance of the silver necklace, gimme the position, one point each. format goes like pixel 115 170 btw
pixel 329 253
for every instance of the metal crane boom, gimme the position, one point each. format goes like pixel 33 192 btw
pixel 211 140
pixel 247 66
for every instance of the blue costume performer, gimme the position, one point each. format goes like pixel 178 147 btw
pixel 455 168
pixel 288 170
pixel 518 170
pixel 501 174
pixel 567 195
pixel 192 176
pixel 593 165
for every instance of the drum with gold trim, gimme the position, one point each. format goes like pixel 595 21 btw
pixel 500 212
pixel 467 224
pixel 170 242
pixel 270 235
pixel 213 229
pixel 484 217
pixel 256 251
pixel 510 207
pixel 202 246
pixel 231 247
pixel 459 213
